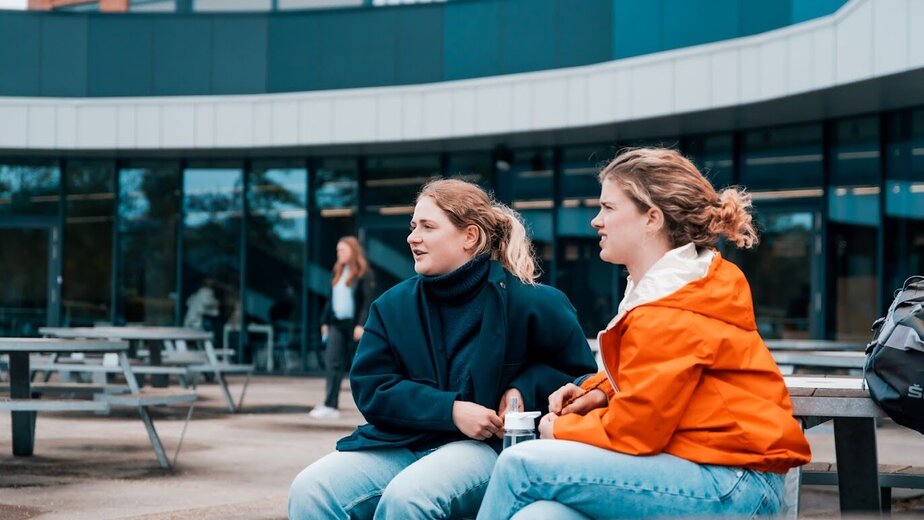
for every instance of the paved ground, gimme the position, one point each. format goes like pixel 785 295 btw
pixel 239 466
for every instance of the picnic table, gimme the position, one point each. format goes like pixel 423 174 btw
pixel 23 407
pixel 846 401
pixel 154 339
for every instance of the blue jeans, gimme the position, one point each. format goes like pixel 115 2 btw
pixel 394 483
pixel 574 481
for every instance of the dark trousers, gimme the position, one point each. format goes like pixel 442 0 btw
pixel 337 358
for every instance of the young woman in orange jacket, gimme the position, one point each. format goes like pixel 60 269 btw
pixel 690 415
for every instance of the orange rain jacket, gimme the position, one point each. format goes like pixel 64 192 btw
pixel 695 380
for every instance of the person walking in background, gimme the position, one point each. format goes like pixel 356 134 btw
pixel 691 416
pixel 352 291
pixel 441 355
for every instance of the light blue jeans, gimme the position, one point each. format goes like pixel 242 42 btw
pixel 447 482
pixel 574 481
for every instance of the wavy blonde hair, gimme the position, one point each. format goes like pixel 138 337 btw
pixel 500 229
pixel 693 211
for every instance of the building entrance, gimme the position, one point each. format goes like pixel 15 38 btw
pixel 30 263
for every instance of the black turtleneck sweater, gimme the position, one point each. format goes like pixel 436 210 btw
pixel 456 302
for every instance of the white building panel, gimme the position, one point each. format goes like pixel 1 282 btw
pixel 824 57
pixel 412 115
pixel 284 130
pixel 652 89
pixel 262 131
pixel 749 73
pixel 494 108
pixel 96 127
pixel 149 126
pixel 14 129
pixel 388 118
pixel 577 100
pixel 41 126
pixel 437 112
pixel 354 119
pixel 601 97
pixel 205 126
pixel 315 120
pixel 915 34
pixel 233 124
pixel 725 78
pixel 549 105
pixel 799 62
pixel 179 122
pixel 773 69
pixel 522 106
pixel 127 126
pixel 463 112
pixel 66 132
pixel 693 77
pixel 855 43
pixel 890 35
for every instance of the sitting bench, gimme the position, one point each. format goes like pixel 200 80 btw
pixel 890 476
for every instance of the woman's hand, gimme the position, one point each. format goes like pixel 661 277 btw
pixel 357 332
pixel 502 407
pixel 572 399
pixel 324 330
pixel 546 426
pixel 475 421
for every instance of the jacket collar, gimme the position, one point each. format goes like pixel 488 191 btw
pixel 675 269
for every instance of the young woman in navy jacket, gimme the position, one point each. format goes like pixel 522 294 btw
pixel 441 355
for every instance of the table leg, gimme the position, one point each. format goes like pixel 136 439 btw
pixel 857 464
pixel 154 348
pixel 23 422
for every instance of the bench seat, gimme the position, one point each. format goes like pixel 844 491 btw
pixel 150 397
pixel 70 388
pixel 52 405
pixel 890 475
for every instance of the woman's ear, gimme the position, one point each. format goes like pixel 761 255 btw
pixel 655 222
pixel 472 237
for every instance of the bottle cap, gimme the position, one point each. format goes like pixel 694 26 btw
pixel 520 420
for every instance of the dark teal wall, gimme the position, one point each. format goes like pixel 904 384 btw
pixel 93 54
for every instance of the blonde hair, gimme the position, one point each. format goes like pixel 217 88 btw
pixel 693 212
pixel 500 229
pixel 358 264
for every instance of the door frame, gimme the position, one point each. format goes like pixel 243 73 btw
pixel 54 281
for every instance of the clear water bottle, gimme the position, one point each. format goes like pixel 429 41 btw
pixel 518 426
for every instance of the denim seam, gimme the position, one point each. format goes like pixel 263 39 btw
pixel 641 489
pixel 466 490
pixel 362 499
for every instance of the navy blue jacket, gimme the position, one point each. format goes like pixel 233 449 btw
pixel 530 340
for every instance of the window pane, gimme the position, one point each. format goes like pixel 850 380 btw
pixel 211 248
pixel 783 162
pixel 474 167
pixel 149 210
pixel 779 271
pixel 853 217
pixel 528 187
pixel 904 199
pixel 88 243
pixel 277 199
pixel 29 188
pixel 591 284
pixel 333 216
pixel 391 184
pixel 713 155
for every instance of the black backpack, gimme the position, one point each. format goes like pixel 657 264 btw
pixel 894 369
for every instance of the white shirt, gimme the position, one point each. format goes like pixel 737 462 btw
pixel 342 296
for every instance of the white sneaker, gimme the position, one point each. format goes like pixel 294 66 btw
pixel 324 412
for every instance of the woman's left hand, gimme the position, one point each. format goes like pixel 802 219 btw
pixel 546 430
pixel 357 332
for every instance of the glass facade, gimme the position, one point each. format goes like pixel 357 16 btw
pixel 232 245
